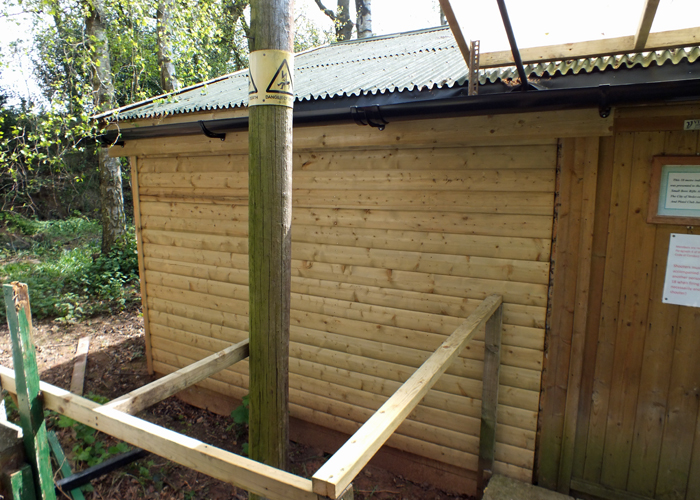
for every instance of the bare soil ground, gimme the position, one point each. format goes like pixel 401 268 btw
pixel 117 365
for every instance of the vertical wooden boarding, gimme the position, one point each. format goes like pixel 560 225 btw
pixel 142 267
pixel 598 259
pixel 632 320
pixel 658 353
pixel 489 399
pixel 31 410
pixel 586 160
pixel 675 457
pixel 693 490
pixel 560 319
pixel 607 328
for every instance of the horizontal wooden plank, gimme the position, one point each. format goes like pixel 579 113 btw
pixel 500 202
pixel 463 181
pixel 473 288
pixel 440 263
pixel 503 247
pixel 160 389
pixel 195 164
pixel 403 316
pixel 511 129
pixel 594 48
pixel 477 288
pixel 471 158
pixel 450 393
pixel 532 317
pixel 208 214
pixel 361 328
pixel 538 127
pixel 505 157
pixel 500 247
pixel 456 384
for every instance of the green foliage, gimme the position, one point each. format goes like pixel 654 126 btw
pixel 241 418
pixel 241 414
pixel 67 276
pixel 11 409
pixel 89 448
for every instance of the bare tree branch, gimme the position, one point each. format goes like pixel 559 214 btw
pixel 326 10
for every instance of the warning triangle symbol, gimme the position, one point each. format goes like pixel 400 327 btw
pixel 252 88
pixel 282 81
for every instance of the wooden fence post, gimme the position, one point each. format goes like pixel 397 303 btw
pixel 489 399
pixel 31 409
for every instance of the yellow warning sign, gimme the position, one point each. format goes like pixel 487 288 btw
pixel 271 78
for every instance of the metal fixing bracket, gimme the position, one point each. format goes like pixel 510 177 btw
pixel 604 103
pixel 368 115
pixel 209 133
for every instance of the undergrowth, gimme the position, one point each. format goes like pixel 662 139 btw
pixel 60 261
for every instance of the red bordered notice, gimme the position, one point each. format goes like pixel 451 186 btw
pixel 682 284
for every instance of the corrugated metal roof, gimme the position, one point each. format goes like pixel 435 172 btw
pixel 425 59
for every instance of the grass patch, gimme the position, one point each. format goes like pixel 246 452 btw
pixel 61 263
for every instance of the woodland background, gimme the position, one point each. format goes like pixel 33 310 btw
pixel 65 224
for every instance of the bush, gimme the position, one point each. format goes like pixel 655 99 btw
pixel 67 277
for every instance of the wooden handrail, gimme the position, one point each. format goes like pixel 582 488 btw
pixel 337 473
pixel 261 479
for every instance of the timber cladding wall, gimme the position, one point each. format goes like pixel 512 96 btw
pixel 621 393
pixel 392 248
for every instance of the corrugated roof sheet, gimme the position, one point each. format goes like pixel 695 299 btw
pixel 424 59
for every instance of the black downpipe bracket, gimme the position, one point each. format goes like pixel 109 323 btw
pixel 513 45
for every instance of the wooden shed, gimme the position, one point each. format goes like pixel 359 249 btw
pixel 412 202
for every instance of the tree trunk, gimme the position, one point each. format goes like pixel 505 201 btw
pixel 364 18
pixel 343 24
pixel 168 77
pixel 111 196
pixel 443 19
pixel 270 219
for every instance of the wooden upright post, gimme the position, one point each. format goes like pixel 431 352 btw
pixel 489 399
pixel 270 216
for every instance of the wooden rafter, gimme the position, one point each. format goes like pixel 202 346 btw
pixel 645 22
pixel 456 30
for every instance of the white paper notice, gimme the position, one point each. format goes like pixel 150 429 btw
pixel 682 285
pixel 683 191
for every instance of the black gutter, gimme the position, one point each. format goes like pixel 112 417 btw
pixel 602 97
pixel 513 45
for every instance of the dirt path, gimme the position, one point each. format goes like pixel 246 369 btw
pixel 117 365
